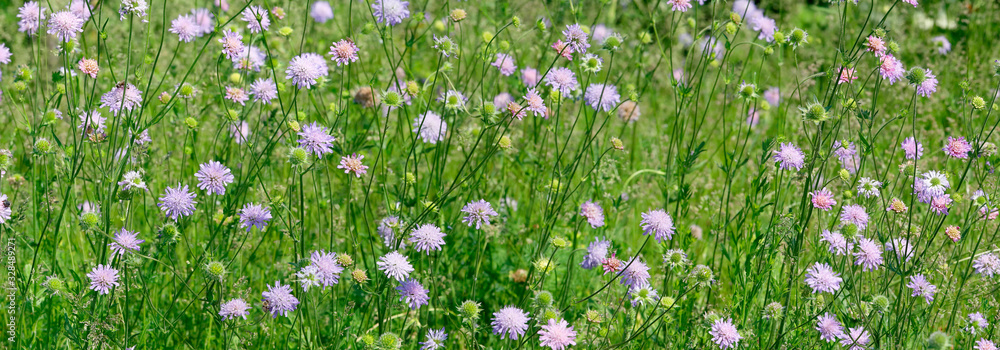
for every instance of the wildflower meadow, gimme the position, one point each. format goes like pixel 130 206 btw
pixel 511 174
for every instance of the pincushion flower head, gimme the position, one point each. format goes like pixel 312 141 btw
pixel 185 27
pixel 353 164
pixel 591 63
pixel 327 268
pixel 838 244
pixel 913 149
pixel 213 177
pixel 530 76
pixel 250 57
pixel 856 215
pixel 204 19
pixel 868 255
pixel 984 344
pixel 562 79
pixel 679 5
pixel 256 18
pixel 505 63
pixel 987 265
pixel 430 128
pixel 234 308
pixel 940 204
pixel 602 97
pixel 390 12
pixel 124 242
pixel 86 66
pixel 132 180
pixel 123 97
pixel 316 139
pixel 855 338
pixel 92 123
pixel 30 16
pixel 453 99
pixel 593 213
pixel 576 38
pixel 306 69
pixel 789 157
pixel 344 52
pixel 934 184
pixel 237 95
pixel 847 76
pixel 264 90
pixel 942 44
pixel 635 274
pixel 510 322
pixel 386 229
pixel 254 215
pixel 426 238
pixel 445 45
pixel 5 211
pixel 232 44
pixel 64 25
pixel 924 81
pixel 557 335
pixel 413 293
pixel 829 328
pixel 395 266
pixel 535 103
pixel 563 49
pixel 957 147
pixel 724 334
pixel 240 131
pixel 597 251
pixel 822 279
pixel 278 300
pixel 321 11
pixel 137 8
pixel 435 339
pixel 177 202
pixel 869 188
pixel 891 69
pixel 876 45
pixel 478 213
pixel 4 54
pixel 823 199
pixel 103 278
pixel 977 323
pixel 922 288
pixel 657 223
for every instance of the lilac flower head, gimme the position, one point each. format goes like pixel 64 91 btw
pixel 922 288
pixel 510 322
pixel 123 97
pixel 124 242
pixel 204 19
pixel 254 215
pixel 869 188
pixel 602 97
pixel 535 103
pixel 92 123
pixel 234 308
pixel 321 11
pixel 977 322
pixel 657 223
pixel 177 202
pixel 839 245
pixel 353 163
pixel 934 183
pixel 822 279
pixel 505 63
pixel 327 268
pixel 386 229
pixel 847 155
pixel 530 76
pixel 901 247
pixel 984 344
pixel 789 157
pixel 854 214
pixel 395 266
pixel 278 300
pixel 478 213
pixel 316 139
pixel 869 254
pixel 773 96
pixel 31 15
pixel 724 334
pixel 913 149
pixel 103 278
pixel 137 8
pixel 426 238
pixel 430 127
pixel 855 339
pixel 987 265
pixel 304 70
pixel 823 199
pixel 250 57
pixel 597 251
pixel 940 204
pixel 679 5
pixel 240 131
pixel 237 95
pixel 4 54
pixel 185 27
pixel 414 294
pixel 232 44
pixel 264 90
pixel 592 211
pixel 64 25
pixel 435 339
pixel 5 211
pixel 557 335
pixel 928 86
pixel 891 69
pixel 562 79
pixel 636 274
pixel 957 148
pixel 576 38
pixel 829 328
pixel 344 52
pixel 256 18
pixel 132 180
pixel 390 12
pixel 942 44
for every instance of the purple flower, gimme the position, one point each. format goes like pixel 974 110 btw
pixel 891 69
pixel 939 204
pixel 478 213
pixel 593 213
pixel 724 334
pixel 636 274
pixel 234 308
pixel 602 97
pixel 789 157
pixel 983 344
pixel 250 57
pixel 316 139
pixel 855 338
pixel 254 215
pixel 913 149
pixel 576 38
pixel 122 97
pixel 869 254
pixel 185 28
pixel 505 63
pixel 327 268
pixel 353 163
pixel 321 11
pixel 240 131
pixel 430 127
pixel 414 294
pixel 435 339
pixel 204 19
pixel 308 276
pixel 232 44
pixel 64 25
pixel 426 238
pixel 264 90
pixel 657 223
pixel 822 279
pixel 529 76
pixel 928 85
pixel 132 181
pixel 847 155
pixel 535 103
pixel 177 202
pixel 987 265
pixel 957 148
pixel 278 300
pixel 213 177
pixel 829 328
pixel 838 243
pixel 854 214
pixel 386 228
pixel 823 199
pixel 306 69
pixel 395 266
pixel 103 278
pixel 344 52
pixel 597 251
pixel 92 123
pixel 557 335
pixel 922 288
pixel 510 322
pixel 256 18
pixel 125 241
pixel 562 79
pixel 4 54
pixel 390 12
pixel 31 15
pixel 977 322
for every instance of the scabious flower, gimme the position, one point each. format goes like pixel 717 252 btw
pixel 657 223
pixel 927 86
pixel 823 199
pixel 123 97
pixel 942 44
pixel 593 213
pixel 854 214
pixel 922 288
pixel 563 49
pixel 822 279
pixel 426 238
pixel 92 123
pixel 256 18
pixel 562 79
pixel 478 213
pixel 327 268
pixel 86 65
pixel 597 251
pixel 5 54
pixel 185 28
pixel 510 322
pixel 234 308
pixel 64 25
pixel 868 187
pixel 724 334
pixel 386 229
pixel 103 278
pixel 977 322
pixel 278 300
pixel 390 12
pixel 611 264
pixel 30 16
pixel 576 38
pixel 847 154
pixel 414 294
pixel 891 69
pixel 505 63
pixel 306 69
pixel 855 338
pixel 395 266
pixel 829 328
pixel 983 344
pixel 124 242
pixel 5 211
pixel 264 90
pixel 213 177
pixel 316 139
pixel 530 76
pixel 232 44
pixel 789 156
pixel 679 5
pixel 591 63
pixel 557 335
pixel 344 52
pixel 250 57
pixel 254 215
pixel 535 103
pixel 935 183
pixel 352 163
pixel 236 95
pixel 177 202
pixel 901 247
pixel 435 339
pixel 913 149
pixel 240 131
pixel 602 97
pixel 940 204
pixel 132 180
pixel 133 7
pixel 321 11
pixel 430 127
pixel 847 76
pixel 987 265
pixel 875 45
pixel 445 45
pixel 911 2
pixel 204 19
pixel 957 147
pixel 635 274
pixel 869 254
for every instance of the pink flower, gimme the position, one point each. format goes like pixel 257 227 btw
pixel 823 199
pixel 876 45
pixel 957 147
pixel 679 5
pixel 352 163
pixel 563 49
pixel 847 76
